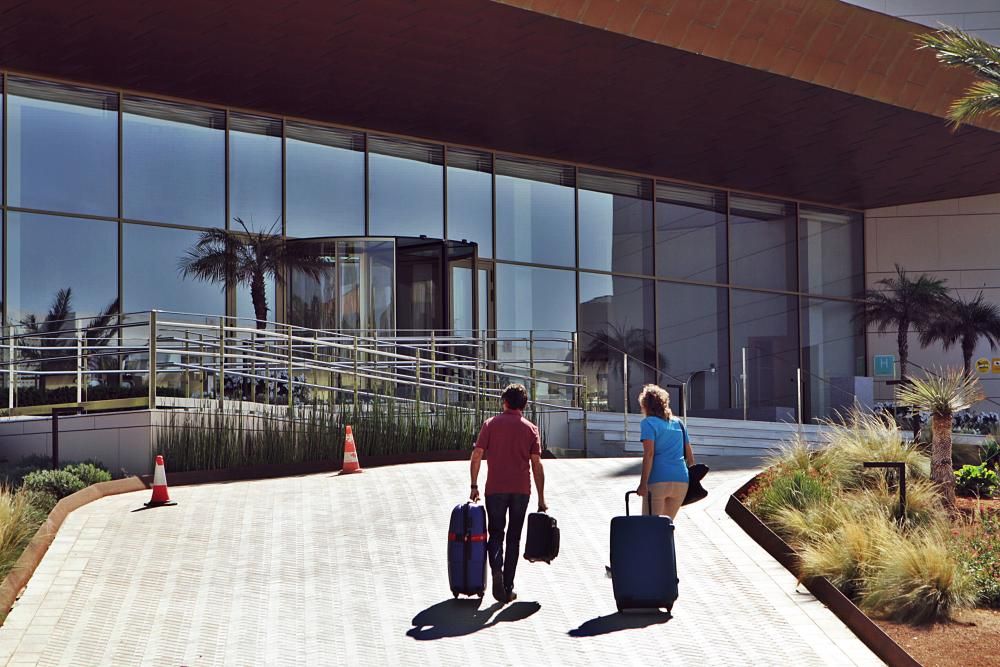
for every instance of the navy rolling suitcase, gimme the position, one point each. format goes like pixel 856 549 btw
pixel 643 561
pixel 467 550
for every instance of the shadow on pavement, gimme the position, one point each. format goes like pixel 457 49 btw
pixel 456 618
pixel 714 463
pixel 603 625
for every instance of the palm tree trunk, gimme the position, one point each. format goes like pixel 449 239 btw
pixel 941 468
pixel 258 294
pixel 968 347
pixel 903 344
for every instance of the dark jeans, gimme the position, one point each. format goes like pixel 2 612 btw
pixel 497 507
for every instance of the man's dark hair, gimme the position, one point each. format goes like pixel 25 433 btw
pixel 516 396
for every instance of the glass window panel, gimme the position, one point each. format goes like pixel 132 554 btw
pixel 693 332
pixel 763 243
pixel 543 301
pixel 324 181
pixel 62 148
pixel 535 212
pixel 470 199
pixel 616 223
pixel 690 233
pixel 174 163
pixel 833 353
pixel 535 298
pixel 831 245
pixel 406 188
pixel 616 318
pixel 255 173
pixel 766 326
pixel 52 255
pixel 150 260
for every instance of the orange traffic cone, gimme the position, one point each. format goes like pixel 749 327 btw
pixel 351 463
pixel 160 494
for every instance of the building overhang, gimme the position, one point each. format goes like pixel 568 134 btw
pixel 819 101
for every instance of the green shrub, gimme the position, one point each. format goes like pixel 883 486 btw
pixel 989 454
pixel 864 436
pixel 979 550
pixel 57 483
pixel 18 523
pixel 977 481
pixel 917 580
pixel 88 473
pixel 847 554
pixel 42 502
pixel 923 502
pixel 797 490
pixel 12 473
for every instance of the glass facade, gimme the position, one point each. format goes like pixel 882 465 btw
pixel 105 192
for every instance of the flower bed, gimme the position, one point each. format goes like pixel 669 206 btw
pixel 922 569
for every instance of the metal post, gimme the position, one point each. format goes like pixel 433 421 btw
pixel 798 388
pixel 585 447
pixel 479 374
pixel 79 365
pixel 152 360
pixel 531 365
pixel 12 368
pixel 291 369
pixel 684 401
pixel 221 389
pixel 576 370
pixel 416 351
pixel 357 380
pixel 55 439
pixel 625 393
pixel 253 367
pixel 433 368
pixel 743 379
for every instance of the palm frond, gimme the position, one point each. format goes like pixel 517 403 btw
pixel 982 98
pixel 942 394
pixel 957 48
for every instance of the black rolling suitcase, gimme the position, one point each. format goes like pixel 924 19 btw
pixel 643 561
pixel 542 543
pixel 467 550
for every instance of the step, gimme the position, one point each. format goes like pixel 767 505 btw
pixel 766 443
pixel 735 430
pixel 714 450
pixel 600 419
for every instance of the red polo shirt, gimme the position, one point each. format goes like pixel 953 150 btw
pixel 509 440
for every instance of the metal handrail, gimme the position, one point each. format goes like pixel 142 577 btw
pixel 283 356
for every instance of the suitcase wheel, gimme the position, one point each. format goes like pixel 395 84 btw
pixel 454 595
pixel 480 594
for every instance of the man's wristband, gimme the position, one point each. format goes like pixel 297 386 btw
pixel 474 486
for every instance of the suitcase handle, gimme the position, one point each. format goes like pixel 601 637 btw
pixel 629 493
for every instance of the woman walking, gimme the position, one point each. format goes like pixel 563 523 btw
pixel 666 455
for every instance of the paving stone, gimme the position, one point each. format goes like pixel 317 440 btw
pixel 322 569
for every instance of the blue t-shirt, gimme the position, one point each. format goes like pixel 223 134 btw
pixel 668 447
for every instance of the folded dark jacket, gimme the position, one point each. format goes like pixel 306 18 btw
pixel 696 491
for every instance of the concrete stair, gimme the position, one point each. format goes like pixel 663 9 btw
pixel 606 435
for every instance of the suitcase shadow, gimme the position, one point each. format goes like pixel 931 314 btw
pixel 603 625
pixel 457 618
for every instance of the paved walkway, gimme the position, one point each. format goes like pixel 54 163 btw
pixel 351 571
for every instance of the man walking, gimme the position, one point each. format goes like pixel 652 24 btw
pixel 512 445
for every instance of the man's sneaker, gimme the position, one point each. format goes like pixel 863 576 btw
pixel 511 596
pixel 499 594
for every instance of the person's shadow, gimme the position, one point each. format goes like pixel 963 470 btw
pixel 456 618
pixel 603 625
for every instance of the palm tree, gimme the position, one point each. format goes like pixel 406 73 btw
pixel 606 347
pixel 57 331
pixel 956 48
pixel 942 395
pixel 900 303
pixel 249 259
pixel 965 322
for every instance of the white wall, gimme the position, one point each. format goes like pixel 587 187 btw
pixel 957 240
pixel 981 17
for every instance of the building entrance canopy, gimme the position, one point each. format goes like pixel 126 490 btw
pixel 387 284
pixel 821 101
